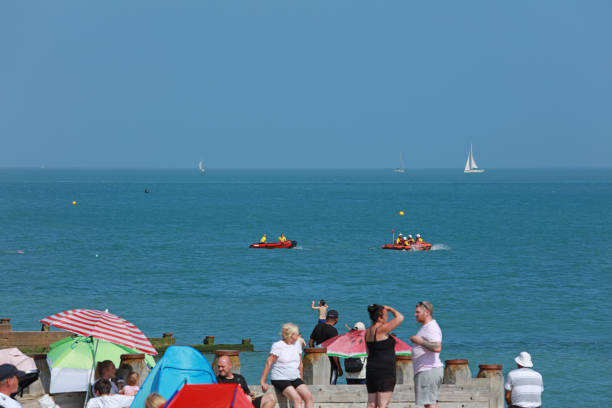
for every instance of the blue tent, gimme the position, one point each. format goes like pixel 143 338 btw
pixel 179 365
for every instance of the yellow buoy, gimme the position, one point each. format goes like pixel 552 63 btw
pixel 74 203
pixel 401 213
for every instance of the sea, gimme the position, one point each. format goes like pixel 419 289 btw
pixel 521 258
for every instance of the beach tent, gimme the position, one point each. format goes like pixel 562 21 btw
pixel 210 396
pixel 180 365
pixel 71 360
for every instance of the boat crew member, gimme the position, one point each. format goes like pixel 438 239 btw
pixel 263 239
pixel 282 238
pixel 400 239
pixel 418 238
pixel 410 240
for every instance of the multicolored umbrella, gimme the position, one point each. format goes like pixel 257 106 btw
pixel 70 361
pixel 101 325
pixel 352 344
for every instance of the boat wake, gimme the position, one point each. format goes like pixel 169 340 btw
pixel 440 247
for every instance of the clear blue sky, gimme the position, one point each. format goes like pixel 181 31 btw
pixel 329 83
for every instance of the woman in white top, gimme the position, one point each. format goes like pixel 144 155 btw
pixel 285 364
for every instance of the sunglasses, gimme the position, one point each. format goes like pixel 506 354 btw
pixel 425 305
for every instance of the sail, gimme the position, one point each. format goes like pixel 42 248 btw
pixel 401 161
pixel 201 166
pixel 472 161
pixel 467 163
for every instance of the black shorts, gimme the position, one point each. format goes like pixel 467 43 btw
pixel 257 401
pixel 280 385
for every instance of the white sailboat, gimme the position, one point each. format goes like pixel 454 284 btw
pixel 400 169
pixel 201 166
pixel 470 164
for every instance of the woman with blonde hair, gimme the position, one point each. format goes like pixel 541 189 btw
pixel 285 367
pixel 154 400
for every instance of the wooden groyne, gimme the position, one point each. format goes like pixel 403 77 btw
pixel 459 389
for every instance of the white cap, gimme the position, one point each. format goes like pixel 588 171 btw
pixel 359 326
pixel 409 236
pixel 418 235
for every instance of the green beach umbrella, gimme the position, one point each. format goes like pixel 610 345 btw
pixel 71 360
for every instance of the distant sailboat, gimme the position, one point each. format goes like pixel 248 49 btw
pixel 400 169
pixel 470 164
pixel 201 166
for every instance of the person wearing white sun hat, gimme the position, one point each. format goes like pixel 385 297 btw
pixel 524 385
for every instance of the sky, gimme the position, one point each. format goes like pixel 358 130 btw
pixel 305 84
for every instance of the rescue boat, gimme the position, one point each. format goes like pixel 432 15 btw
pixel 274 245
pixel 417 246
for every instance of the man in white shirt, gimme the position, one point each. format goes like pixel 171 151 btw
pixel 524 385
pixel 9 384
pixel 428 371
pixel 105 400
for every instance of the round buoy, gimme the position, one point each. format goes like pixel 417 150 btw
pixel 401 213
pixel 74 203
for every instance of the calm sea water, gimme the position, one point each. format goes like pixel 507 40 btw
pixel 522 258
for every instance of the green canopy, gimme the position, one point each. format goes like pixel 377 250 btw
pixel 71 361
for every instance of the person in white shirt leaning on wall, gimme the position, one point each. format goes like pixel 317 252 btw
pixel 524 385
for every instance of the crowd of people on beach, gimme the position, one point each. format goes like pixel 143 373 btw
pixel 284 366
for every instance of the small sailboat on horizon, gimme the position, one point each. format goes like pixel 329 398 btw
pixel 201 166
pixel 400 169
pixel 470 164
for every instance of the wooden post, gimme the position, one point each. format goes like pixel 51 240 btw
pixel 456 372
pixel 209 340
pixel 404 371
pixel 5 325
pixel 234 356
pixel 496 383
pixel 317 368
pixel 138 364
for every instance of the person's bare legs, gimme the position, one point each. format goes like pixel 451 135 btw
pixel 291 394
pixel 384 398
pixel 268 400
pixel 306 395
pixel 372 400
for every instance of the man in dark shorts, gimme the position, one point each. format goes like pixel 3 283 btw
pixel 224 365
pixel 322 332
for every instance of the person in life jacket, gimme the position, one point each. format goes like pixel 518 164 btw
pixel 263 239
pixel 282 238
pixel 400 239
pixel 410 240
pixel 418 238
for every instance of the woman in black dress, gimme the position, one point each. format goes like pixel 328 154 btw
pixel 380 370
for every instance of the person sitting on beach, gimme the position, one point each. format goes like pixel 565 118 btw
pixel 322 308
pixel 9 384
pixel 282 238
pixel 224 366
pixel 105 370
pixel 154 400
pixel 410 240
pixel 262 240
pixel 286 369
pixel 418 238
pixel 325 331
pixel 132 384
pixel 104 399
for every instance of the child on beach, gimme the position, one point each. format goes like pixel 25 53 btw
pixel 322 308
pixel 132 384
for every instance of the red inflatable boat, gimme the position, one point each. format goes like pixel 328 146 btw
pixel 417 246
pixel 274 245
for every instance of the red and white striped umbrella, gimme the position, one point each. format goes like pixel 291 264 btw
pixel 101 325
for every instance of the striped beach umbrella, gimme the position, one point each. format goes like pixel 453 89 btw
pixel 352 344
pixel 101 325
